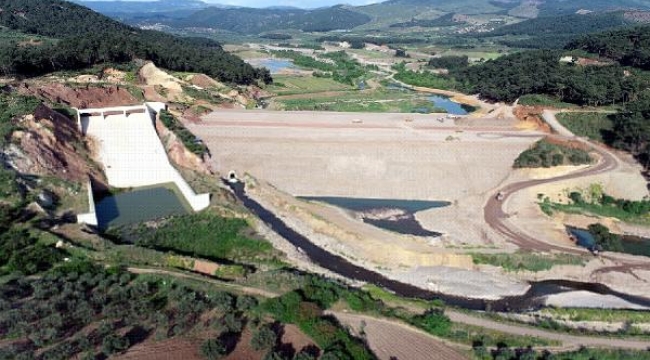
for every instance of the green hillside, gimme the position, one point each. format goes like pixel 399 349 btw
pixel 563 7
pixel 629 46
pixel 87 38
pixel 255 21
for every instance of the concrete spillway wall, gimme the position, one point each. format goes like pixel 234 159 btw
pixel 90 217
pixel 131 151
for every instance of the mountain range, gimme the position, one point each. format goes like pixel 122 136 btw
pixel 196 13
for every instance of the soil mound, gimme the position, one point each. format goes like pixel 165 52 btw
pixel 51 144
pixel 85 97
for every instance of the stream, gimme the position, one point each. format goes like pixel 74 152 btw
pixel 531 300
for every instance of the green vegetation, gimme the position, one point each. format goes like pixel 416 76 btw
pixel 305 309
pixel 88 38
pixel 509 77
pixel 595 201
pixel 291 85
pixel 21 252
pixel 122 309
pixel 555 32
pixel 204 235
pixel 423 78
pixel 606 315
pixel 340 67
pixel 189 140
pixel 449 62
pixel 433 321
pixel 256 21
pixel 544 100
pixel 444 20
pixel 628 46
pixel 363 103
pixel 11 107
pixel 526 261
pixel 604 239
pixel 503 352
pixel 596 126
pixel 546 154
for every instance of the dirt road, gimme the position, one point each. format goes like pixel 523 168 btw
pixel 181 275
pixel 568 341
pixel 497 218
pixel 386 335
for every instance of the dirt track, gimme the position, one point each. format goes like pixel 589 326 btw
pixel 497 218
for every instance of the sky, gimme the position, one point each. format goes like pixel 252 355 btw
pixel 307 4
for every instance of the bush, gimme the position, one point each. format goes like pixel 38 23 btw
pixel 187 138
pixel 546 154
pixel 607 240
pixel 113 344
pixel 433 321
pixel 213 349
pixel 263 338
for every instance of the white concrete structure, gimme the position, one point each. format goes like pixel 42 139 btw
pixel 130 150
pixel 90 217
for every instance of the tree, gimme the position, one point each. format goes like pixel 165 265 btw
pixel 213 349
pixel 607 240
pixel 113 344
pixel 263 338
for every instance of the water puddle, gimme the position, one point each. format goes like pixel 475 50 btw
pixel 389 214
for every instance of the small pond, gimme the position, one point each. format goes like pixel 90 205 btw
pixel 439 101
pixel 631 244
pixel 390 214
pixel 450 106
pixel 275 65
pixel 139 205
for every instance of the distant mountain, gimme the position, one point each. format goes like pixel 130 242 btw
pixel 87 38
pixel 111 7
pixel 255 21
pixel 565 7
pixel 399 13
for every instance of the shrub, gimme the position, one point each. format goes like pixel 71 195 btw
pixel 263 338
pixel 213 349
pixel 433 321
pixel 546 154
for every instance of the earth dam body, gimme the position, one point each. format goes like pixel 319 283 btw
pixel 533 299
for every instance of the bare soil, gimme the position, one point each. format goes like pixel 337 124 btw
pixel 83 97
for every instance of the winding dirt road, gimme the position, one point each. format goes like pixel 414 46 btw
pixel 497 218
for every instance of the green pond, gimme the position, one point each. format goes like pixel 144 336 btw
pixel 139 205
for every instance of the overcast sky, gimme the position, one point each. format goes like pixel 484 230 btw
pixel 308 4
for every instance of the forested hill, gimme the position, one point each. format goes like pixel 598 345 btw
pixel 255 21
pixel 564 25
pixel 628 46
pixel 87 38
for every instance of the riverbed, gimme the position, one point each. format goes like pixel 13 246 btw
pixel 534 298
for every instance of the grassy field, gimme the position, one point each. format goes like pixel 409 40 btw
pixel 205 235
pixel 525 261
pixel 544 100
pixel 292 85
pixel 592 125
pixel 361 104
pixel 607 315
pixel 599 210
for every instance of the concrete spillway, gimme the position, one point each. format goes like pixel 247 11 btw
pixel 131 151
